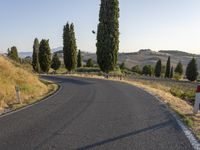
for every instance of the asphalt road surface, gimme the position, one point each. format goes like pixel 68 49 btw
pixel 93 114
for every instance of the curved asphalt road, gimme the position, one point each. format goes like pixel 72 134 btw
pixel 93 114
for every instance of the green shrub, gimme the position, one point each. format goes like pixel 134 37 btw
pixel 188 121
pixel 88 70
pixel 185 94
pixel 177 76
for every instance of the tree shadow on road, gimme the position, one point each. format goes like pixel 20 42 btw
pixel 154 127
pixel 61 80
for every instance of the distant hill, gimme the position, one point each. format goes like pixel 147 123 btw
pixel 26 54
pixel 176 52
pixel 142 57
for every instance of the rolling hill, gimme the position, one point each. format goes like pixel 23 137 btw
pixel 147 56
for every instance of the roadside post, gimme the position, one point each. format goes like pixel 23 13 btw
pixel 197 100
pixel 17 88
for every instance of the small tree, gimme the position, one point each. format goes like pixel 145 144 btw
pixel 122 66
pixel 179 68
pixel 168 68
pixel 13 54
pixel 35 56
pixel 158 68
pixel 147 70
pixel 172 72
pixel 45 56
pixel 136 69
pixel 192 71
pixel 56 63
pixel 79 59
pixel 89 63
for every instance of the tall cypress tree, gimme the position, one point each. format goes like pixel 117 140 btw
pixel 108 35
pixel 172 72
pixel 179 68
pixel 66 44
pixel 13 54
pixel 168 68
pixel 79 59
pixel 45 56
pixel 73 48
pixel 158 68
pixel 192 71
pixel 35 56
pixel 69 47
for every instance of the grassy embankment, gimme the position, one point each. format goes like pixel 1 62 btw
pixel 32 89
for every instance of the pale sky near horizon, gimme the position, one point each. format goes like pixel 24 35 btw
pixel 153 24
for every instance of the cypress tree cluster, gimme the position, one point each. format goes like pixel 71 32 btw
pixel 158 68
pixel 168 68
pixel 192 71
pixel 45 56
pixel 35 56
pixel 13 54
pixel 69 47
pixel 79 59
pixel 108 35
pixel 56 63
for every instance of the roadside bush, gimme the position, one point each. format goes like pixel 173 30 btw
pixel 188 121
pixel 137 69
pixel 90 63
pixel 177 76
pixel 147 70
pixel 186 94
pixel 88 70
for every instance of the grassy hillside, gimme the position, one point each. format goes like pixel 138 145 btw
pixel 12 74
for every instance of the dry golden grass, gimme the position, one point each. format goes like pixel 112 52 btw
pixel 12 74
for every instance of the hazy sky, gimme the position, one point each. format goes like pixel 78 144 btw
pixel 154 24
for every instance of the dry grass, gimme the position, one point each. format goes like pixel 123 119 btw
pixel 12 74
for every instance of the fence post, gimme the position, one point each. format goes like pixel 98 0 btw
pixel 197 100
pixel 17 88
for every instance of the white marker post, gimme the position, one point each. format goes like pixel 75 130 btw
pixel 17 88
pixel 197 100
